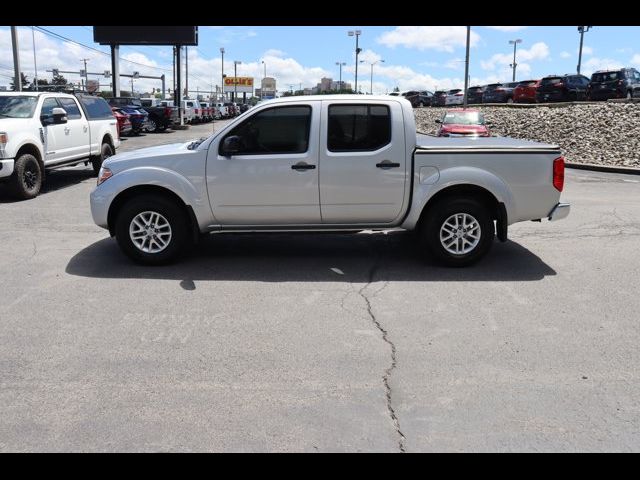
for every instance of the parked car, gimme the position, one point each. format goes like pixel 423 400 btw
pixel 355 158
pixel 623 83
pixel 438 98
pixel 43 131
pixel 188 110
pixel 454 97
pixel 244 107
pixel 124 123
pixel 463 123
pixel 222 110
pixel 231 109
pixel 499 92
pixel 562 88
pixel 474 95
pixel 525 92
pixel 132 107
pixel 418 98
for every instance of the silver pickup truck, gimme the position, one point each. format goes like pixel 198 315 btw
pixel 317 163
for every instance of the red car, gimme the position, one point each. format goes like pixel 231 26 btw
pixel 525 92
pixel 124 123
pixel 462 122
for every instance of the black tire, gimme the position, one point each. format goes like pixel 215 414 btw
pixel 629 94
pixel 106 151
pixel 152 125
pixel 26 180
pixel 440 213
pixel 173 214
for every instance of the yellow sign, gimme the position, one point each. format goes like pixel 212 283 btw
pixel 238 84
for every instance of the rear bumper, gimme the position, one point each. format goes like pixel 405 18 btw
pixel 560 211
pixel 6 167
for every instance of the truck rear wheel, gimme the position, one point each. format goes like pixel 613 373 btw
pixel 26 180
pixel 151 229
pixel 458 231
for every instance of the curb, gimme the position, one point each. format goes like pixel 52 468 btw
pixel 603 168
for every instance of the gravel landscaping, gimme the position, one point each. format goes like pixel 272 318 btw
pixel 604 134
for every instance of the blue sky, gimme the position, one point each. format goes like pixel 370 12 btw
pixel 414 57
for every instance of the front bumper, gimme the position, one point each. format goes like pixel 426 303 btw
pixel 560 211
pixel 6 167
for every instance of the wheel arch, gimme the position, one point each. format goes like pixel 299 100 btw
pixel 138 190
pixel 32 149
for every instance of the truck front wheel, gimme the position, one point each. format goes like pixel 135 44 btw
pixel 458 231
pixel 106 151
pixel 26 180
pixel 151 229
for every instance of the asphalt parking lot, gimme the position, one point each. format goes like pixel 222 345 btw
pixel 326 342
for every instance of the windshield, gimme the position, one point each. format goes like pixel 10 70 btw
pixel 493 86
pixel 464 118
pixel 551 81
pixel 17 107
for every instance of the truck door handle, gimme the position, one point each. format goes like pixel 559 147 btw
pixel 302 166
pixel 66 130
pixel 386 165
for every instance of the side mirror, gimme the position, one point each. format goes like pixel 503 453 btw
pixel 231 145
pixel 437 120
pixel 59 115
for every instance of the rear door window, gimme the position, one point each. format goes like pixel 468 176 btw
pixel 96 108
pixel 358 127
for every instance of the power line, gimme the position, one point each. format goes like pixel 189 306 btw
pixel 61 37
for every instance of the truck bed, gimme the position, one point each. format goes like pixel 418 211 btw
pixel 431 142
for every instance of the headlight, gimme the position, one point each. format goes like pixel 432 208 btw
pixel 4 139
pixel 104 175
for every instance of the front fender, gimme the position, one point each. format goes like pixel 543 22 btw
pixel 192 191
pixel 449 177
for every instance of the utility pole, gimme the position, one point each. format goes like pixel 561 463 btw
pixel 582 31
pixel 86 78
pixel 186 77
pixel 115 69
pixel 514 64
pixel 466 69
pixel 35 64
pixel 17 78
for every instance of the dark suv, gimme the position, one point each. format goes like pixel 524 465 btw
pixel 605 84
pixel 438 98
pixel 499 92
pixel 562 88
pixel 474 94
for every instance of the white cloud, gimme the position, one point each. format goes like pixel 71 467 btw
pixel 636 59
pixel 585 50
pixel 507 29
pixel 565 55
pixel 596 63
pixel 368 56
pixel 274 52
pixel 455 64
pixel 538 51
pixel 424 38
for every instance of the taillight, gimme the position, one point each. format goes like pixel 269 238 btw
pixel 558 173
pixel 167 112
pixel 559 85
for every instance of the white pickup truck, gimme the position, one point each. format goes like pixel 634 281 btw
pixel 42 131
pixel 342 163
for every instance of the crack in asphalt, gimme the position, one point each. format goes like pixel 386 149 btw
pixel 388 371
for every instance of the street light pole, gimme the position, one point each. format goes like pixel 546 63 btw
pixel 372 64
pixel 466 69
pixel 514 64
pixel 263 80
pixel 35 64
pixel 222 84
pixel 340 64
pixel 357 33
pixel 235 79
pixel 582 30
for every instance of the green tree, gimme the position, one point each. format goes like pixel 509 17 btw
pixel 59 80
pixel 23 79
